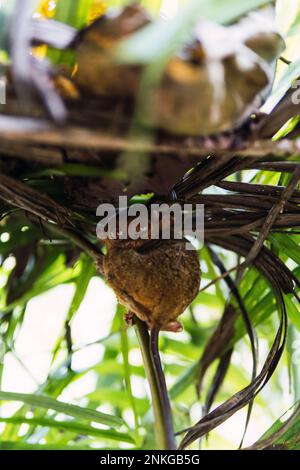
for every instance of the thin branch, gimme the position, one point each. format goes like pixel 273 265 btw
pixel 219 278
pixel 45 156
pixel 271 218
pixel 163 392
pixel 282 167
pixel 56 216
pixel 162 427
pixel 257 189
pixel 42 132
pixel 81 242
pixel 248 325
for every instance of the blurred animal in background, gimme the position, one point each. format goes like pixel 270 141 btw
pixel 211 85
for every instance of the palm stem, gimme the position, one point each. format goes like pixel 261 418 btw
pixel 161 407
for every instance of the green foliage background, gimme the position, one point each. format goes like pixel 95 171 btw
pixel 42 419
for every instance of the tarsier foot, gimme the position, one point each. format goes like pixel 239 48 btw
pixel 173 326
pixel 128 317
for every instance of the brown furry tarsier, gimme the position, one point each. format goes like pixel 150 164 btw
pixel 155 279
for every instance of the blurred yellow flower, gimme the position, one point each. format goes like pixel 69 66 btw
pixel 47 9
pixel 97 9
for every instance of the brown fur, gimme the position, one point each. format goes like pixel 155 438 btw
pixel 156 283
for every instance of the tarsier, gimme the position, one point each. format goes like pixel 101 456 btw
pixel 155 280
pixel 211 85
